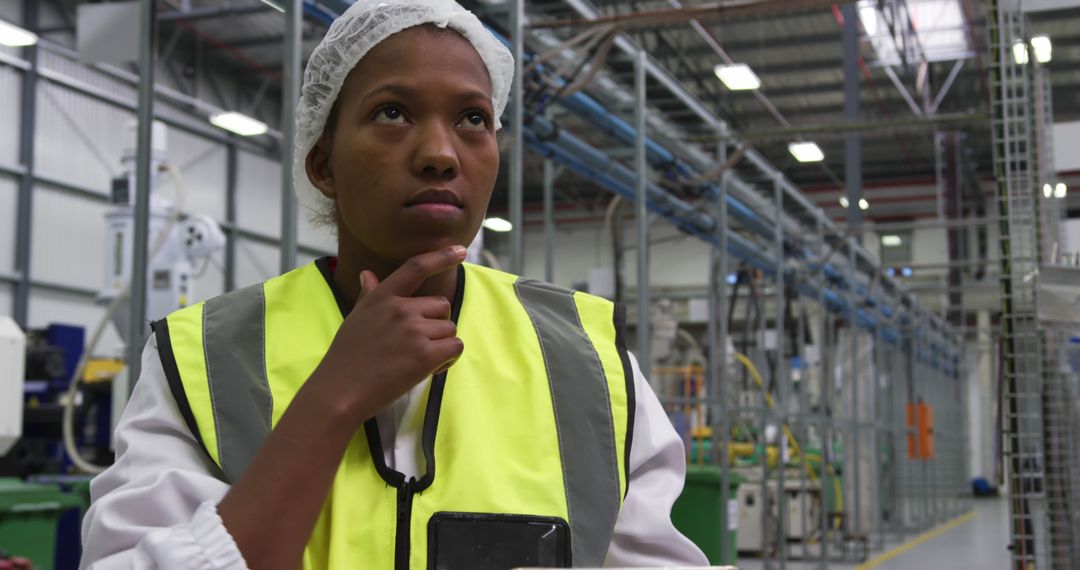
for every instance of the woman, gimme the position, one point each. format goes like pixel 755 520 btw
pixel 392 407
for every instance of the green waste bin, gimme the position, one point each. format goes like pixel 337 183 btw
pixel 701 512
pixel 28 517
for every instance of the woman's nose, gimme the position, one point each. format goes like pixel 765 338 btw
pixel 435 154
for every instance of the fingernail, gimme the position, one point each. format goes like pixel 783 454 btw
pixel 458 250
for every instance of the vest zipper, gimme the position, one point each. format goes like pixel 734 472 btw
pixel 404 526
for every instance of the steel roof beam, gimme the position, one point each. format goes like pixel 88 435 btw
pixel 211 13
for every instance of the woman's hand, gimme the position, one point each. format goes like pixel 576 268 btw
pixel 391 341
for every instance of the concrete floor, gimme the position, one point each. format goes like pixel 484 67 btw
pixel 979 543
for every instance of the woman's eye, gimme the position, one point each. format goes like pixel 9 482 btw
pixel 390 116
pixel 474 121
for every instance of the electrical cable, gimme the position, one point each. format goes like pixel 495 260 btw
pixel 68 400
pixel 794 443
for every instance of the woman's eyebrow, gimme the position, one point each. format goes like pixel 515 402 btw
pixel 405 92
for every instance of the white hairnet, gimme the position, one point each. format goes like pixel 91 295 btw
pixel 364 25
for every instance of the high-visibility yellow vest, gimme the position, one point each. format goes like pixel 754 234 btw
pixel 535 418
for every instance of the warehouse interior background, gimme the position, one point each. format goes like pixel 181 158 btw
pixel 847 235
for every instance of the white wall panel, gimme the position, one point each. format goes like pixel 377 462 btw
pixel 79 140
pixel 258 193
pixel 319 237
pixel 209 279
pixel 48 307
pixel 1066 139
pixel 86 74
pixel 8 193
pixel 255 262
pixel 67 238
pixel 202 167
pixel 10 119
pixel 6 298
pixel 678 264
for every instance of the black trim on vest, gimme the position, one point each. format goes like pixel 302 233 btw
pixel 323 265
pixel 434 404
pixel 631 398
pixel 176 385
pixel 435 396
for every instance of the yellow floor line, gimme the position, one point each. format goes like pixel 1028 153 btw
pixel 928 535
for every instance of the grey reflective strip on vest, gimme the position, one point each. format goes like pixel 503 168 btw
pixel 579 393
pixel 234 337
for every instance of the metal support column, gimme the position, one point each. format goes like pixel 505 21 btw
pixel 644 331
pixel 517 145
pixel 230 217
pixel 290 94
pixel 549 220
pixel 780 382
pixel 855 466
pixel 143 176
pixel 877 433
pixel 824 403
pixel 718 358
pixel 25 201
pixel 852 140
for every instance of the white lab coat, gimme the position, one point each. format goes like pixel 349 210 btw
pixel 156 507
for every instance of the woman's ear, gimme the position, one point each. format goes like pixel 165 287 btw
pixel 319 170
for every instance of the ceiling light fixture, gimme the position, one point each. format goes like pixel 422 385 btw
pixel 14 36
pixel 806 152
pixel 891 240
pixel 1043 49
pixel 497 224
pixel 274 5
pixel 737 77
pixel 843 201
pixel 238 123
pixel 1060 191
pixel 863 204
pixel 1020 52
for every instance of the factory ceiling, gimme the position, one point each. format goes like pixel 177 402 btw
pixel 936 80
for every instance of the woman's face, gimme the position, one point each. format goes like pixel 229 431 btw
pixel 412 157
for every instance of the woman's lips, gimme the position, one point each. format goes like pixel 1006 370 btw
pixel 436 211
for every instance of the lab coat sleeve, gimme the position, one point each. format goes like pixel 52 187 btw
pixel 156 506
pixel 644 533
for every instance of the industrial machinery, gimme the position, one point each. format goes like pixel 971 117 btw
pixel 69 395
pixel 179 240
pixel 12 362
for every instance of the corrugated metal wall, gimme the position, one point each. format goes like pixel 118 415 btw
pixel 79 141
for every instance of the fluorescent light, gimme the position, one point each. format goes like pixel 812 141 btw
pixel 496 224
pixel 737 77
pixel 1048 190
pixel 806 152
pixel 1020 52
pixel 242 125
pixel 1043 48
pixel 1060 190
pixel 843 201
pixel 14 36
pixel 868 14
pixel 863 204
pixel 891 240
pixel 274 5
